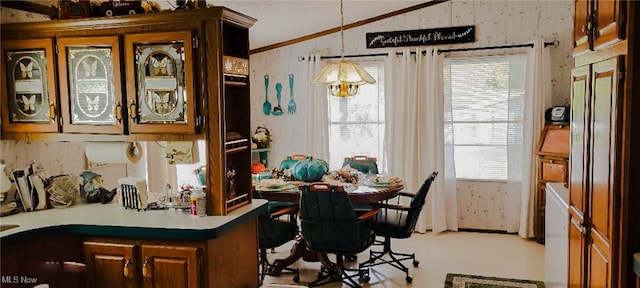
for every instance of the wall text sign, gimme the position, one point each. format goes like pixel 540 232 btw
pixel 436 36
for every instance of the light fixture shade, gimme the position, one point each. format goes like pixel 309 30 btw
pixel 343 71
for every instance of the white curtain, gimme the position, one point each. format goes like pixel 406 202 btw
pixel 415 131
pixel 537 99
pixel 317 109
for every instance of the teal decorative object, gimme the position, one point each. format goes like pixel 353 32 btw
pixel 277 111
pixel 309 170
pixel 288 163
pixel 292 104
pixel 266 106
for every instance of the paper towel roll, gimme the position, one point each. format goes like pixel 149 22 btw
pixel 113 152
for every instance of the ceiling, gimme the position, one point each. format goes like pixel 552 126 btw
pixel 280 21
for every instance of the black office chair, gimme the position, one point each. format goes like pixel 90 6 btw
pixel 363 164
pixel 398 221
pixel 273 232
pixel 331 226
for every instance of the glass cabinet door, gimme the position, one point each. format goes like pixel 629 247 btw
pixel 160 82
pixel 28 88
pixel 90 85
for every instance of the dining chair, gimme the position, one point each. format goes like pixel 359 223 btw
pixel 364 164
pixel 273 231
pixel 330 225
pixel 396 220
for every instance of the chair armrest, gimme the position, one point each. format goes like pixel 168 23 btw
pixel 391 206
pixel 406 194
pixel 284 211
pixel 369 214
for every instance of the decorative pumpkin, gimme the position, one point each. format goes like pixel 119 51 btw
pixel 288 163
pixel 257 168
pixel 309 170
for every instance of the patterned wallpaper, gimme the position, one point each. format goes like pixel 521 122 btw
pixel 480 204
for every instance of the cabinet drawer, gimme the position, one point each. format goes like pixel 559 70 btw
pixel 552 170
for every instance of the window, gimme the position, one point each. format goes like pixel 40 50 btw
pixel 484 99
pixel 356 124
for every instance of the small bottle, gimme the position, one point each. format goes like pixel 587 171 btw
pixel 198 202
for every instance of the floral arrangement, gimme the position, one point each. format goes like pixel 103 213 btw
pixel 262 137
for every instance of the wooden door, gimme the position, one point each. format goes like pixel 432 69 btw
pixel 604 172
pixel 89 70
pixel 170 266
pixel 160 82
pixel 608 27
pixel 579 145
pixel 111 265
pixel 581 26
pixel 29 101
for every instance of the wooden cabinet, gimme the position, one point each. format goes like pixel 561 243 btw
pixel 167 76
pixel 595 173
pixel 160 82
pixel 553 156
pixel 91 93
pixel 29 101
pixel 126 263
pixel 598 24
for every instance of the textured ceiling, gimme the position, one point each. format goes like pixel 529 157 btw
pixel 280 21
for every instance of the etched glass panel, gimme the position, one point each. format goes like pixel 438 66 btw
pixel 160 82
pixel 91 85
pixel 27 85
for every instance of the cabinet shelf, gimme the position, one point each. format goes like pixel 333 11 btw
pixel 237 149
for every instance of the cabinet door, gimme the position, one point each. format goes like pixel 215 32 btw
pixel 160 82
pixel 577 254
pixel 608 26
pixel 552 170
pixel 110 265
pixel 170 266
pixel 28 89
pixel 89 70
pixel 581 26
pixel 604 164
pixel 579 136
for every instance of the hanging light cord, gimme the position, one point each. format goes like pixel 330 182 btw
pixel 342 30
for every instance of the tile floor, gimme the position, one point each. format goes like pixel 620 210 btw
pixel 488 254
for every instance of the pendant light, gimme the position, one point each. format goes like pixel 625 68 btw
pixel 344 77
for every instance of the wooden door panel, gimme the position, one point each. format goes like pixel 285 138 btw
pixel 608 28
pixel 579 136
pixel 599 267
pixel 107 264
pixel 580 27
pixel 603 154
pixel 576 251
pixel 170 266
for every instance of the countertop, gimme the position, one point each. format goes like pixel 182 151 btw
pixel 114 220
pixel 561 191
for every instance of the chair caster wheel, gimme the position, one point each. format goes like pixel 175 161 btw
pixel 416 263
pixel 296 279
pixel 352 257
pixel 409 279
pixel 365 278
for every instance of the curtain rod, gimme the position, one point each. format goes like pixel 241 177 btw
pixel 553 43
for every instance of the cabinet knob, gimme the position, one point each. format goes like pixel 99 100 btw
pixel 133 110
pixel 117 111
pixel 127 270
pixel 146 270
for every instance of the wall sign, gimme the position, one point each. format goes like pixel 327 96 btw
pixel 436 36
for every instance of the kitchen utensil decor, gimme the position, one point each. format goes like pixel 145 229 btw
pixel 292 105
pixel 266 106
pixel 277 111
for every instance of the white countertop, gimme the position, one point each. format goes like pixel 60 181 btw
pixel 561 191
pixel 114 220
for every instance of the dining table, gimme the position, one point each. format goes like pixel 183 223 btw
pixel 290 191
